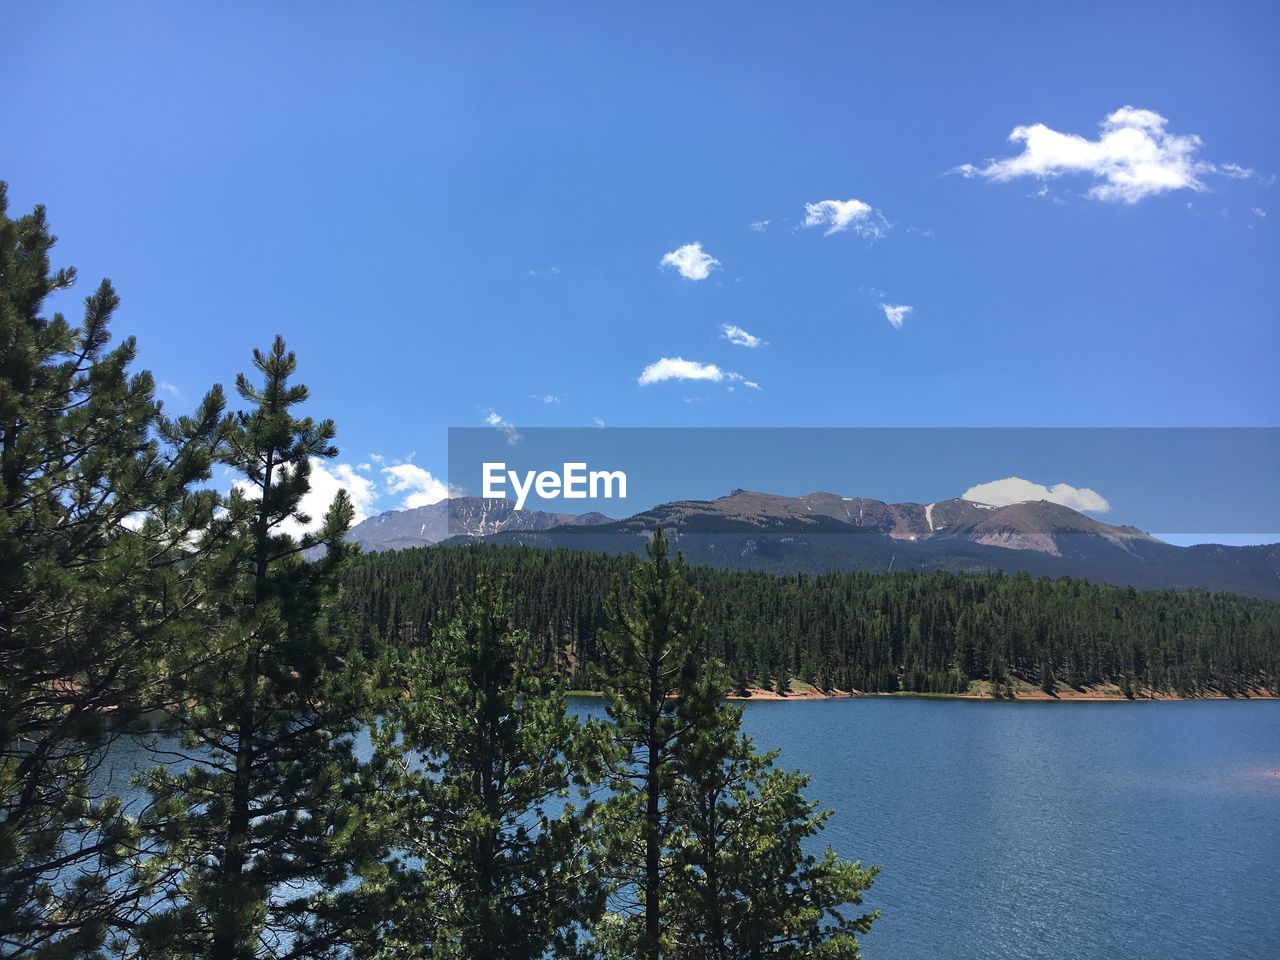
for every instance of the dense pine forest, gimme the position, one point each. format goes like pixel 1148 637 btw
pixel 924 632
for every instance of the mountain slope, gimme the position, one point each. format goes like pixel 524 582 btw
pixel 460 516
pixel 826 532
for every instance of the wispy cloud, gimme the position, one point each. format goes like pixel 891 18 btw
pixel 1000 493
pixel 739 337
pixel 164 386
pixel 547 398
pixel 493 419
pixel 839 216
pixel 1260 213
pixel 690 261
pixel 1135 156
pixel 760 226
pixel 1236 172
pixel 895 314
pixel 677 368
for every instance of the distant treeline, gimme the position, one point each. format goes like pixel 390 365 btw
pixel 925 632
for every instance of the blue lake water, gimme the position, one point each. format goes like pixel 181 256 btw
pixel 1039 830
pixel 1050 830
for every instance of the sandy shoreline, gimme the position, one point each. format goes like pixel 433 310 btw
pixel 1098 693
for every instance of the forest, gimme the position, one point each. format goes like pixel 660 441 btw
pixel 374 756
pixel 870 632
pixel 307 791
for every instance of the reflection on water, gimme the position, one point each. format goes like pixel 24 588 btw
pixel 1037 830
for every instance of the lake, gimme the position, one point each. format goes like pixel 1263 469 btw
pixel 1046 830
pixel 1040 830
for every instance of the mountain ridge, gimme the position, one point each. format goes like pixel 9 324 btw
pixel 827 532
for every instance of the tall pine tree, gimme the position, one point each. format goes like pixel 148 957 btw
pixel 98 501
pixel 481 757
pixel 254 809
pixel 652 650
pixel 742 883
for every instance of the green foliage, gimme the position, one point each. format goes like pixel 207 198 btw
pixel 703 838
pixel 477 757
pixel 1047 682
pixel 928 632
pixel 651 651
pixel 254 819
pixel 97 501
pixel 741 883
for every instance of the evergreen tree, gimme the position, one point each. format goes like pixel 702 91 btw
pixel 477 754
pixel 1185 640
pixel 256 829
pixel 742 884
pixel 97 503
pixel 1047 682
pixel 651 650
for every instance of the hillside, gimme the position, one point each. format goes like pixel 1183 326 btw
pixel 873 632
pixel 825 532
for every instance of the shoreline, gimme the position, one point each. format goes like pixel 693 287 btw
pixel 1094 693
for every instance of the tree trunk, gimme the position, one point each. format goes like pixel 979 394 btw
pixel 227 919
pixel 653 850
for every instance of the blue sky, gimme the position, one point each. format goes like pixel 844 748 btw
pixel 455 213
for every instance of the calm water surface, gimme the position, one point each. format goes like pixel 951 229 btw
pixel 1049 830
pixel 1040 830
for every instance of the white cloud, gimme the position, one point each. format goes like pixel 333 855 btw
pixel 164 386
pixel 1235 171
pixel 739 337
pixel 364 467
pixel 494 420
pixel 1016 490
pixel 418 487
pixel 692 262
pixel 677 368
pixel 1260 213
pixel 547 398
pixel 1134 157
pixel 895 315
pixel 760 225
pixel 841 215
pixel 751 383
pixel 326 480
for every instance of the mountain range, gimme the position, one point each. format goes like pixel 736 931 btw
pixel 821 532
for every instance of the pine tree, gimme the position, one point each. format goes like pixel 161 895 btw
pixel 97 504
pixel 1047 682
pixel 652 650
pixel 742 883
pixel 255 830
pixel 477 755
